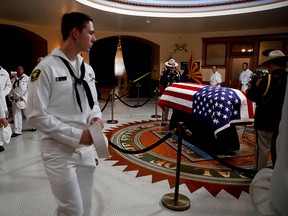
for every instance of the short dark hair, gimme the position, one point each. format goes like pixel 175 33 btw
pixel 245 63
pixel 73 20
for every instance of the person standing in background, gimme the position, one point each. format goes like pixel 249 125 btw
pixel 5 87
pixel 169 75
pixel 63 105
pixel 39 59
pixel 3 119
pixel 19 92
pixel 244 77
pixel 215 79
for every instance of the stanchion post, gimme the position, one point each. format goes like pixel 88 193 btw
pixel 176 201
pixel 112 121
pixel 138 86
pixel 156 104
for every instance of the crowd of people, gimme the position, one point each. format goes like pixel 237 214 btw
pixel 15 89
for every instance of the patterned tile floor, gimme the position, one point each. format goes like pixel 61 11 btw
pixel 25 191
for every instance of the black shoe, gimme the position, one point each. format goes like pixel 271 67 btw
pixel 33 129
pixel 15 135
pixel 2 148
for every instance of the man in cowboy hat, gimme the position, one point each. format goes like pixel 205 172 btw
pixel 268 93
pixel 169 76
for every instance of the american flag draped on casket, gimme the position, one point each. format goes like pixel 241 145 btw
pixel 218 105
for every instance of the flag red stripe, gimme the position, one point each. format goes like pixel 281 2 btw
pixel 179 96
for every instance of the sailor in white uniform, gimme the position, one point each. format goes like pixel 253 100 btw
pixel 19 92
pixel 5 87
pixel 245 77
pixel 62 107
pixel 3 120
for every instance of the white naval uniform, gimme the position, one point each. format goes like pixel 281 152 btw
pixel 2 109
pixel 5 85
pixel 215 79
pixel 244 78
pixel 20 91
pixel 52 108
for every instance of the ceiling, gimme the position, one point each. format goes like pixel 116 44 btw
pixel 49 12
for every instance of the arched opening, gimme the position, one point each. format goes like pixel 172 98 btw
pixel 139 57
pixel 20 47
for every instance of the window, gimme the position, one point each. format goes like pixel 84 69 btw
pixel 242 48
pixel 216 54
pixel 277 44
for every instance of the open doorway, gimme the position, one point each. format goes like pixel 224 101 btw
pixel 139 57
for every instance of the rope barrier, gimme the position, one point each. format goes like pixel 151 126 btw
pixel 105 105
pixel 134 106
pixel 167 136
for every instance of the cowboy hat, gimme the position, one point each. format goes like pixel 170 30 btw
pixel 21 104
pixel 275 55
pixel 171 63
pixel 267 51
pixel 5 133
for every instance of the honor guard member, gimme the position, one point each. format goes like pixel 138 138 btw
pixel 268 92
pixel 169 76
pixel 216 78
pixel 245 77
pixel 18 95
pixel 3 120
pixel 62 104
pixel 5 86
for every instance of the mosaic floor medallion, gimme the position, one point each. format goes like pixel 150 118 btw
pixel 197 168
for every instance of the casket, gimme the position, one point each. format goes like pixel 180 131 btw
pixel 210 113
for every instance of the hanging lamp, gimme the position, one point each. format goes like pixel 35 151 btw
pixel 119 67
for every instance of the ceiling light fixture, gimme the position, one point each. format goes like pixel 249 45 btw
pixel 119 66
pixel 183 8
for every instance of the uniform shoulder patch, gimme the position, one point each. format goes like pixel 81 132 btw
pixel 35 75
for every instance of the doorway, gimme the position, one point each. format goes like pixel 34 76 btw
pixel 138 54
pixel 236 68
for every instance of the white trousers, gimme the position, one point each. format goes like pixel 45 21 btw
pixel 17 117
pixel 71 177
